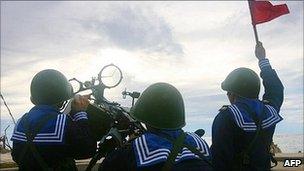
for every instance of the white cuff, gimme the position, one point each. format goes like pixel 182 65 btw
pixel 264 63
pixel 80 115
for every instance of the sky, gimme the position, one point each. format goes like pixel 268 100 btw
pixel 191 45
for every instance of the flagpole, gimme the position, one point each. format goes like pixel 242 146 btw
pixel 253 25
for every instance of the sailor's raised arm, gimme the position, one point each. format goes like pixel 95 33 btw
pixel 273 86
pixel 79 136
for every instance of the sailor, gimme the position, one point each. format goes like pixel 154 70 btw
pixel 46 139
pixel 164 146
pixel 242 132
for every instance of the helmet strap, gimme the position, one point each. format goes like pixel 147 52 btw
pixel 33 101
pixel 232 97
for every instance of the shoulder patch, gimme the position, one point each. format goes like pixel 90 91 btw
pixel 223 108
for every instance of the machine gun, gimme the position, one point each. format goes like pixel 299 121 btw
pixel 134 95
pixel 110 123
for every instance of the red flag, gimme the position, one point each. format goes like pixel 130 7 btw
pixel 263 11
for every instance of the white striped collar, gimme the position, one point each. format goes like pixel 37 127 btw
pixel 55 136
pixel 150 149
pixel 244 121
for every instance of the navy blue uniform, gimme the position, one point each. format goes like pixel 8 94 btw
pixel 60 139
pixel 150 152
pixel 234 129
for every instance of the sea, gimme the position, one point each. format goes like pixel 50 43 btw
pixel 288 143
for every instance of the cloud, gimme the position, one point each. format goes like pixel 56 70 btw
pixel 42 31
pixel 132 28
pixel 145 39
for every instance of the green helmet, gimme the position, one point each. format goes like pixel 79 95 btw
pixel 160 106
pixel 243 82
pixel 50 87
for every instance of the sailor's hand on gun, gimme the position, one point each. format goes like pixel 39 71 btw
pixel 260 51
pixel 80 103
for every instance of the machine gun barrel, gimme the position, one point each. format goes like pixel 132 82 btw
pixel 111 125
